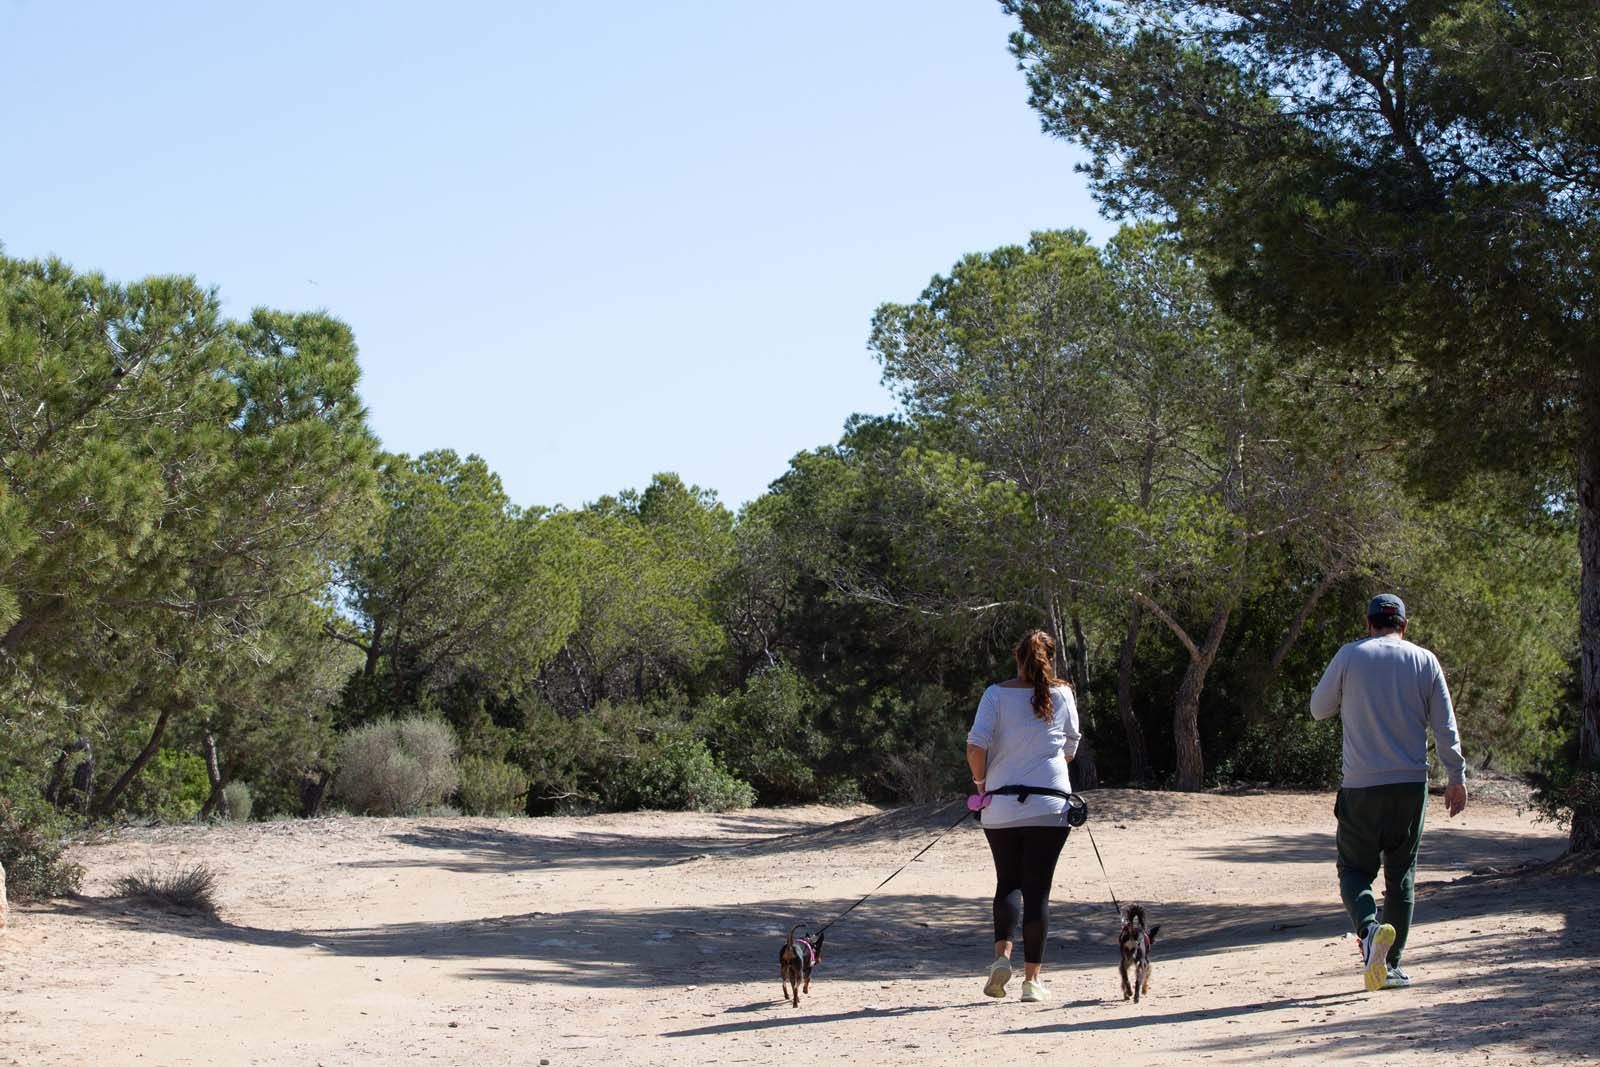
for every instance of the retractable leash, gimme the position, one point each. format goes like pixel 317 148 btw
pixel 1077 815
pixel 903 866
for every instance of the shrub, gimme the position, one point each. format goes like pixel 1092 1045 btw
pixel 396 767
pixel 621 757
pixel 916 777
pixel 491 787
pixel 236 801
pixel 683 775
pixel 1296 751
pixel 767 734
pixel 172 788
pixel 182 889
pixel 842 792
pixel 32 837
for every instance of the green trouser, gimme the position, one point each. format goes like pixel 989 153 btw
pixel 1381 821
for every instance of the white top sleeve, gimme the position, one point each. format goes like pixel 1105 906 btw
pixel 982 732
pixel 1070 705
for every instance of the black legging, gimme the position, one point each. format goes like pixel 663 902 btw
pixel 1024 866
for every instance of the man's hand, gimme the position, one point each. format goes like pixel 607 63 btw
pixel 1455 799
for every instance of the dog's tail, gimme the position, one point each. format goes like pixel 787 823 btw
pixel 796 926
pixel 1134 916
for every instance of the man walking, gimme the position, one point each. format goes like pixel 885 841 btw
pixel 1389 691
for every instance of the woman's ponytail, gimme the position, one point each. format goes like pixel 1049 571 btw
pixel 1036 659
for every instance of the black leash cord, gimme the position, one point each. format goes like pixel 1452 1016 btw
pixel 1104 873
pixel 903 866
pixel 1114 902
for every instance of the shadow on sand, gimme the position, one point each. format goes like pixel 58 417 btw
pixel 933 936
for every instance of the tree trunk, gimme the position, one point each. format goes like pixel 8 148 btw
pixel 146 754
pixel 313 788
pixel 1298 623
pixel 1586 820
pixel 1085 771
pixel 1138 755
pixel 214 774
pixel 374 650
pixel 1186 707
pixel 1088 767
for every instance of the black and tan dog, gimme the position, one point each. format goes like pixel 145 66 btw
pixel 796 959
pixel 1136 943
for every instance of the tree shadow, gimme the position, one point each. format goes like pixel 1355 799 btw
pixel 476 849
pixel 1444 847
pixel 1512 981
pixel 1134 1022
pixel 779 1020
pixel 919 936
pixel 1518 992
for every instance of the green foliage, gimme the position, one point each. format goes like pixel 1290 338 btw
pixel 175 486
pixel 172 788
pixel 649 566
pixel 767 734
pixel 1295 751
pixel 237 802
pixel 396 766
pixel 491 787
pixel 458 586
pixel 621 757
pixel 683 775
pixel 1562 789
pixel 32 836
pixel 1420 213
pixel 1565 783
pixel 1495 597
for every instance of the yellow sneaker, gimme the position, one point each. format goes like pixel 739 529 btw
pixel 999 975
pixel 1375 954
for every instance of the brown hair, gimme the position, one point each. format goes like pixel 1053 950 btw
pixel 1036 664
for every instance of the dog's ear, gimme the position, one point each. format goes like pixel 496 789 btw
pixel 1154 930
pixel 818 942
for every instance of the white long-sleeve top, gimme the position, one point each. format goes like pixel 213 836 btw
pixel 1023 749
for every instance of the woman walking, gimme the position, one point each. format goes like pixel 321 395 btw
pixel 1024 733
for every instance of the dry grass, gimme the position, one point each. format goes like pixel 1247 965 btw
pixel 182 889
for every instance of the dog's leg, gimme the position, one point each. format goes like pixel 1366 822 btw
pixel 1122 971
pixel 1141 981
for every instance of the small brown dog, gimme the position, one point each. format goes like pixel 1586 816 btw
pixel 795 960
pixel 1136 944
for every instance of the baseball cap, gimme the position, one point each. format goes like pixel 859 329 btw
pixel 1386 607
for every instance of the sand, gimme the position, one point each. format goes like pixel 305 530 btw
pixel 651 938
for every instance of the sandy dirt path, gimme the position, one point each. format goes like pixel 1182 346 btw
pixel 651 939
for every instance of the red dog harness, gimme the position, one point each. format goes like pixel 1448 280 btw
pixel 809 949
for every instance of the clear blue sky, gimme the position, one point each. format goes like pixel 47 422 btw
pixel 586 241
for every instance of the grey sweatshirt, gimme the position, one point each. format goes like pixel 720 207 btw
pixel 1389 692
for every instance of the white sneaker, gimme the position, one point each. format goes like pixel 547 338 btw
pixel 1375 955
pixel 1396 979
pixel 999 975
pixel 1033 992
